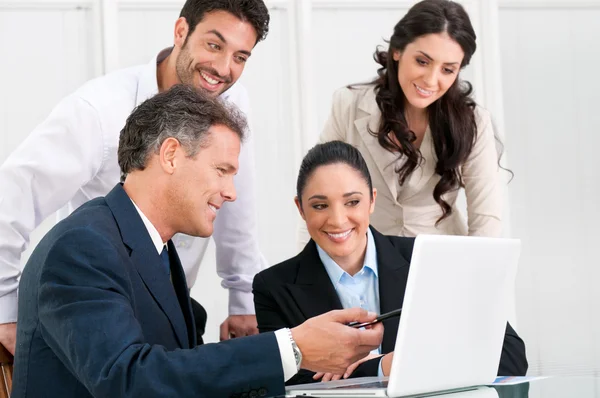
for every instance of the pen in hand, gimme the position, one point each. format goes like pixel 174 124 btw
pixel 380 318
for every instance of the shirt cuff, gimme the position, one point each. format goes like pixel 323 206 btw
pixel 288 360
pixel 8 308
pixel 241 303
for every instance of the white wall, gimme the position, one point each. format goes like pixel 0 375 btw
pixel 41 65
pixel 549 59
pixel 533 69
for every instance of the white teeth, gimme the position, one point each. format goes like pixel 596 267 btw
pixel 341 235
pixel 208 78
pixel 423 91
pixel 213 208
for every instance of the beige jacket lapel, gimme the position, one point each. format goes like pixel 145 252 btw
pixel 422 175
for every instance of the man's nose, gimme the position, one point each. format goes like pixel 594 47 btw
pixel 229 194
pixel 223 66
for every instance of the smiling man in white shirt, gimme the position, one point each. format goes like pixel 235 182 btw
pixel 72 156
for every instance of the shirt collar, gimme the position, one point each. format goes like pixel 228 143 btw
pixel 154 235
pixel 336 272
pixel 148 82
pixel 371 255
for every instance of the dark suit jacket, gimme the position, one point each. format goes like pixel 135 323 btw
pixel 99 317
pixel 289 293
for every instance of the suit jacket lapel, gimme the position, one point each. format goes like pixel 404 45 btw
pixel 157 281
pixel 385 160
pixel 146 259
pixel 393 275
pixel 312 282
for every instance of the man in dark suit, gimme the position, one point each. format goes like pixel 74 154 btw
pixel 288 293
pixel 104 309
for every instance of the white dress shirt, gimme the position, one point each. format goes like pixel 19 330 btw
pixel 288 360
pixel 71 157
pixel 152 231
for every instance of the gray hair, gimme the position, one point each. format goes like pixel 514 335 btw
pixel 182 112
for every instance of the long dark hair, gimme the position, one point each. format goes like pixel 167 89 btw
pixel 332 152
pixel 451 117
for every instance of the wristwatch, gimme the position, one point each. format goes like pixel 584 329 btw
pixel 297 353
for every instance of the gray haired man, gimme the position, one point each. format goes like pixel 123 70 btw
pixel 104 308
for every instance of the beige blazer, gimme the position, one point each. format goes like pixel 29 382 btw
pixel 410 209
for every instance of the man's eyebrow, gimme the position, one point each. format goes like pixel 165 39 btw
pixel 227 166
pixel 218 34
pixel 222 38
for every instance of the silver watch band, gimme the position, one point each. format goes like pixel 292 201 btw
pixel 297 353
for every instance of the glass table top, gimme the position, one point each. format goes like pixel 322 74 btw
pixel 549 387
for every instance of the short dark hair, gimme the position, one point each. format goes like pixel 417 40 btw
pixel 332 152
pixel 253 11
pixel 182 112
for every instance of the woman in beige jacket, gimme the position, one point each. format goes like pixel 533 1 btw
pixel 421 133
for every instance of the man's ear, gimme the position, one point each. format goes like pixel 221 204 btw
pixel 182 29
pixel 168 155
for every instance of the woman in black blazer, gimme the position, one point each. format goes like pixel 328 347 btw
pixel 335 197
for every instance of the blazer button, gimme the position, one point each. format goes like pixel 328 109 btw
pixel 262 392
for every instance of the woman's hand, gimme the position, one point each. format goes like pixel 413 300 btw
pixel 386 363
pixel 348 372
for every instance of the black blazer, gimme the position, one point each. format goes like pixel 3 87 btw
pixel 289 293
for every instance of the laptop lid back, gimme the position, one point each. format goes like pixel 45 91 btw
pixel 454 314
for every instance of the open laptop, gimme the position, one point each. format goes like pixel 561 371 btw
pixel 454 315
